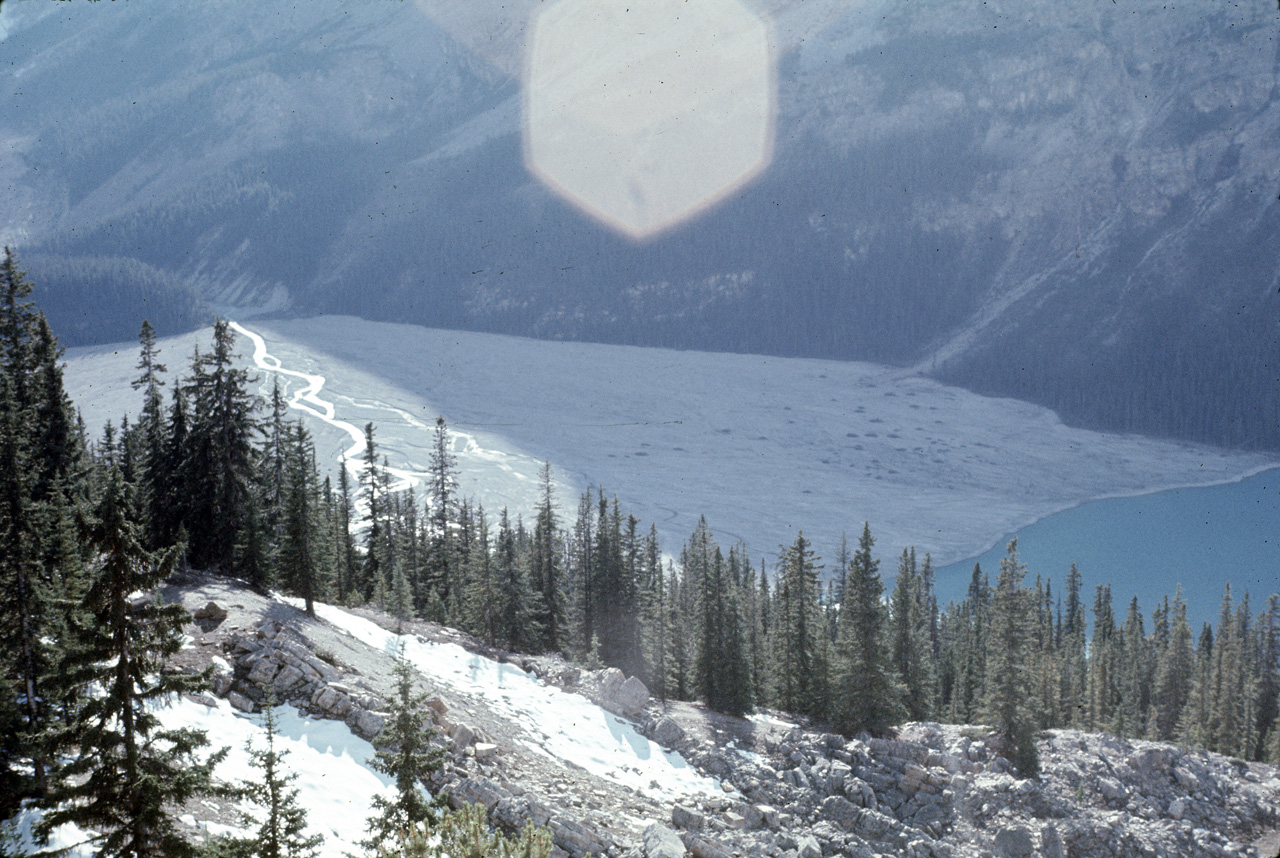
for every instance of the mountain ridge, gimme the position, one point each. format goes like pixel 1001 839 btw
pixel 1068 205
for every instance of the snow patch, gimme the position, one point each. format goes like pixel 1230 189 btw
pixel 566 727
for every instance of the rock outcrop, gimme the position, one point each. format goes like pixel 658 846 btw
pixel 933 791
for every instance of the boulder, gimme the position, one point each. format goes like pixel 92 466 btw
pixel 685 817
pixel 463 735
pixel 212 613
pixel 239 701
pixel 263 672
pixel 288 679
pixel 476 791
pixel 807 846
pixel 661 842
pixel 1014 843
pixel 575 838
pixel 667 732
pixel 1112 790
pixel 485 750
pixel 369 724
pixel 700 847
pixel 627 698
pixel 1051 843
pixel 839 810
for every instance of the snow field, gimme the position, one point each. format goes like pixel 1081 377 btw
pixel 335 783
pixel 565 727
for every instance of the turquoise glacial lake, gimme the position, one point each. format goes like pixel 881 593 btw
pixel 1202 538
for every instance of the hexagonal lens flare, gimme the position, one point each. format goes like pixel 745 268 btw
pixel 645 112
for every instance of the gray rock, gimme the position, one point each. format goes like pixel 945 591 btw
pixel 686 818
pixel 485 750
pixel 476 791
pixel 369 724
pixel 331 702
pixel 212 612
pixel 575 838
pixel 661 842
pixel 752 816
pixel 263 672
pixel 288 679
pixel 701 847
pixel 1014 843
pixel 626 698
pixel 463 735
pixel 1051 843
pixel 839 810
pixel 239 701
pixel 222 683
pixel 807 846
pixel 667 732
pixel 1112 790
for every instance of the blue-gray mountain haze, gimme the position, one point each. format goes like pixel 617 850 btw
pixel 1070 203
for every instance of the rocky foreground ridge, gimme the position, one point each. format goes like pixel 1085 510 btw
pixel 790 791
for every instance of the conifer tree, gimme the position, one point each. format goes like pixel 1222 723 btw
pixel 866 697
pixel 1267 675
pixel 152 426
pixel 127 773
pixel 517 607
pixel 1193 724
pixel 282 833
pixel 722 673
pixel 1073 662
pixel 483 588
pixel 1174 674
pixel 221 445
pixel 24 601
pixel 1134 663
pixel 404 752
pixel 440 565
pixel 298 565
pixel 1009 685
pixel 347 568
pixel 656 608
pixel 545 567
pixel 373 582
pixel 1102 661
pixel 910 639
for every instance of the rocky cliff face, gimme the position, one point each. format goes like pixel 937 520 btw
pixel 933 791
pixel 1070 203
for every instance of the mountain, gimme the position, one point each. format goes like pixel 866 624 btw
pixel 1072 204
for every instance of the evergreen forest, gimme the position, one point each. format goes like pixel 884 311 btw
pixel 211 477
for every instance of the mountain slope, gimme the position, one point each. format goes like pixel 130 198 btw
pixel 1067 203
pixel 679 776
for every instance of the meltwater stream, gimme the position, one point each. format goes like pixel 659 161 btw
pixel 307 399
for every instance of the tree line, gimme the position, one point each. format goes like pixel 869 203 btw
pixel 210 476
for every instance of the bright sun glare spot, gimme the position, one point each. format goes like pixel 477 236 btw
pixel 645 112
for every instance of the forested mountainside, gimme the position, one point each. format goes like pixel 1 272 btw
pixel 210 477
pixel 1065 203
